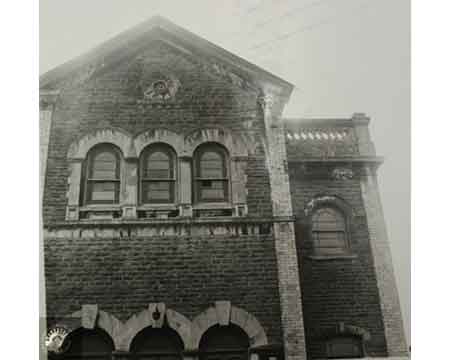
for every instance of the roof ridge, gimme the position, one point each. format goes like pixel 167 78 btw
pixel 113 44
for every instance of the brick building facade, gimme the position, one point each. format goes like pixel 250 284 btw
pixel 185 218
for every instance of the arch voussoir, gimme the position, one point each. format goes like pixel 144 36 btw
pixel 237 316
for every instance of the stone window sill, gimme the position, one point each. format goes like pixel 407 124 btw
pixel 148 207
pixel 101 207
pixel 210 206
pixel 100 211
pixel 321 257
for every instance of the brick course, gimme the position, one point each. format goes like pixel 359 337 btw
pixel 123 275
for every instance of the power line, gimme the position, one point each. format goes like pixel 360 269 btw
pixel 254 8
pixel 291 12
pixel 247 11
pixel 286 14
pixel 302 29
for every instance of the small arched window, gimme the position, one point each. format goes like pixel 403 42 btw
pixel 329 231
pixel 157 175
pixel 88 344
pixel 102 175
pixel 228 342
pixel 211 174
pixel 157 344
pixel 344 347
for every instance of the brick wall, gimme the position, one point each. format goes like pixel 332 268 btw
pixel 124 274
pixel 340 290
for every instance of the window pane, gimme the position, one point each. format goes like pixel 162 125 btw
pixel 103 191
pixel 211 165
pixel 104 166
pixel 344 348
pixel 213 189
pixel 157 191
pixel 158 166
pixel 329 239
pixel 328 219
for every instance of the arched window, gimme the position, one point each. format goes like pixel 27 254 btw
pixel 224 343
pixel 157 175
pixel 329 231
pixel 157 344
pixel 102 175
pixel 88 344
pixel 344 347
pixel 211 173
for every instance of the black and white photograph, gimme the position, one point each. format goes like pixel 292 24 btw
pixel 198 203
pixel 222 180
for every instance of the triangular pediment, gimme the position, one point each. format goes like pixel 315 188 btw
pixel 134 40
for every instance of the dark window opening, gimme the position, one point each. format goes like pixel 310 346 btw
pixel 86 344
pixel 157 344
pixel 329 231
pixel 102 175
pixel 211 174
pixel 157 175
pixel 344 347
pixel 224 343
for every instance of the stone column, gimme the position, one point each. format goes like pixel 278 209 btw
pixel 286 252
pixel 73 194
pixel 47 100
pixel 238 185
pixel 185 186
pixel 381 253
pixel 129 191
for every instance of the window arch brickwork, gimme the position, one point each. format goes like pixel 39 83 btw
pixel 189 332
pixel 128 199
pixel 223 313
pixel 77 154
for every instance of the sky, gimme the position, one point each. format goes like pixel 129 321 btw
pixel 343 56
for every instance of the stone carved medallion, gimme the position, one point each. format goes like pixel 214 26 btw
pixel 54 340
pixel 342 174
pixel 162 89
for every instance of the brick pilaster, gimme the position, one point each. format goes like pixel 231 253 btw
pixel 381 252
pixel 46 104
pixel 287 263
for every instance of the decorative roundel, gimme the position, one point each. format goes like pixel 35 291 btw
pixel 54 341
pixel 162 89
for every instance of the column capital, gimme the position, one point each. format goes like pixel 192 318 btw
pixel 272 106
pixel 47 99
pixel 270 102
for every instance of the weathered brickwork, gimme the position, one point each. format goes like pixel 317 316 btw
pixel 123 275
pixel 252 265
pixel 340 290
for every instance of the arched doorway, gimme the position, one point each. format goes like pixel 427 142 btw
pixel 228 342
pixel 88 344
pixel 157 344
